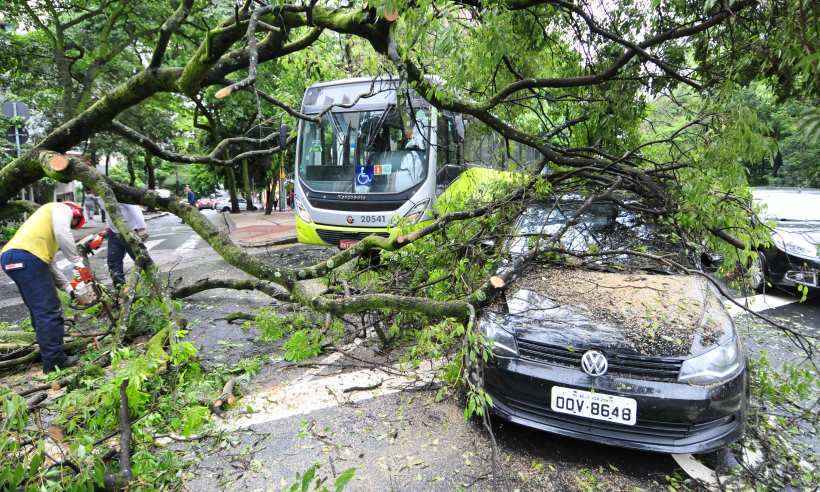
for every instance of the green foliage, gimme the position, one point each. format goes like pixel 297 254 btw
pixel 7 232
pixel 782 414
pixel 310 481
pixel 303 344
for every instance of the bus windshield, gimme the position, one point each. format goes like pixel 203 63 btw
pixel 364 152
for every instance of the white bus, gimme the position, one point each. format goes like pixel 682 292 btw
pixel 360 170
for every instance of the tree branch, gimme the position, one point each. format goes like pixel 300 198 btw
pixel 169 27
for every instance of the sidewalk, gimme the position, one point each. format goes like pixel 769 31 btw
pixel 255 229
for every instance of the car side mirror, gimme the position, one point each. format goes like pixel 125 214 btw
pixel 283 135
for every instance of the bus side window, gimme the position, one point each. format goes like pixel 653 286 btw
pixel 449 158
pixel 454 156
pixel 442 141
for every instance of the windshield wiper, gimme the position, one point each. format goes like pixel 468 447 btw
pixel 375 129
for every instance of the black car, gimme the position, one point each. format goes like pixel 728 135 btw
pixel 794 257
pixel 634 358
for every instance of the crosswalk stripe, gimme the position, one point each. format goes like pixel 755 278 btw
pixel 190 243
pixel 153 243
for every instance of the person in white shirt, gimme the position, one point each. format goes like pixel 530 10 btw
pixel 117 247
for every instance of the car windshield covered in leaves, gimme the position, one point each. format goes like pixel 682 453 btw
pixel 599 347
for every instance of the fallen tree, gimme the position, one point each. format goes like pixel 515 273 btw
pixel 552 75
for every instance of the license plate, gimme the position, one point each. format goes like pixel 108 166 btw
pixel 596 406
pixel 347 243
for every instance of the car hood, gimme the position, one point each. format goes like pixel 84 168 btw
pixel 809 230
pixel 636 314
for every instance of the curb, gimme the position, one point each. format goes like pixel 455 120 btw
pixel 272 242
pixel 229 222
pixel 163 214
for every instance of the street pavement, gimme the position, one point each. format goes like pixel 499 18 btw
pixel 338 412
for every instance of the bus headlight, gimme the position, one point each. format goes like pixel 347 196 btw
pixel 416 212
pixel 302 211
pixel 712 367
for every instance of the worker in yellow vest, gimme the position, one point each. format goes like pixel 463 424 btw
pixel 29 260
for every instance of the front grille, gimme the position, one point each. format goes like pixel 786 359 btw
pixel 636 366
pixel 640 431
pixel 334 237
pixel 357 206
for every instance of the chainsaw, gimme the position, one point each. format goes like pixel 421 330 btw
pixel 86 290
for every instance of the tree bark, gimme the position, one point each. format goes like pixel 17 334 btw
pixel 150 174
pixel 149 171
pixel 230 177
pixel 132 176
pixel 246 185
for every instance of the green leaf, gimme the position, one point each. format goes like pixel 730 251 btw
pixel 308 477
pixel 342 480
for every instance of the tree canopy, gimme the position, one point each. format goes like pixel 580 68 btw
pixel 670 108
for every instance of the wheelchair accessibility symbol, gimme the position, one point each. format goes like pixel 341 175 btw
pixel 363 178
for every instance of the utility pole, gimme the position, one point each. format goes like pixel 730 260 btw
pixel 12 109
pixel 282 192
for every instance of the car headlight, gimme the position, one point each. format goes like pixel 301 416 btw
pixel 502 341
pixel 714 366
pixel 417 211
pixel 794 244
pixel 302 211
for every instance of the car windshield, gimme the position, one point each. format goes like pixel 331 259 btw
pixel 788 205
pixel 364 152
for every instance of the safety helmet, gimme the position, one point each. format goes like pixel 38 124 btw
pixel 77 218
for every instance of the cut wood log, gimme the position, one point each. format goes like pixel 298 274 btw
pixel 58 162
pixel 226 398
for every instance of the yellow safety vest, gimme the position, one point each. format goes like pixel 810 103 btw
pixel 36 235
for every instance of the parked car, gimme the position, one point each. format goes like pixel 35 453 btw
pixel 205 203
pixel 637 357
pixel 794 257
pixel 224 204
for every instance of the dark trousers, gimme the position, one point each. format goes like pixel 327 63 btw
pixel 36 285
pixel 117 249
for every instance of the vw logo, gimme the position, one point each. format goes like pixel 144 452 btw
pixel 349 219
pixel 594 363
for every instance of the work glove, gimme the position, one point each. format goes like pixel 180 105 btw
pixel 97 241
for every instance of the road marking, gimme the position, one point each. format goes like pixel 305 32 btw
pixel 760 302
pixel 697 470
pixel 11 302
pixel 309 394
pixel 190 243
pixel 153 243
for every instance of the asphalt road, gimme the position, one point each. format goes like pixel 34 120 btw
pixel 396 438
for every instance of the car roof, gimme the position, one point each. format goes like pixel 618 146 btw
pixel 784 190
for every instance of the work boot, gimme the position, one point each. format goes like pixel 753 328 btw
pixel 68 361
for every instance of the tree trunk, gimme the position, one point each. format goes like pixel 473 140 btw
pixel 246 185
pixel 777 162
pixel 149 171
pixel 150 175
pixel 231 179
pixel 107 161
pixel 269 199
pixel 132 177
